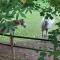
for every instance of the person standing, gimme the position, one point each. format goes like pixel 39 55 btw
pixel 45 25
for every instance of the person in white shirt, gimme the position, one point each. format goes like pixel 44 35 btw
pixel 50 22
pixel 46 24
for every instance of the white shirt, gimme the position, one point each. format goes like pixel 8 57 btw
pixel 50 23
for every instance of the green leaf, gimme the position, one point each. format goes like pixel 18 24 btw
pixel 26 11
pixel 42 53
pixel 56 53
pixel 23 9
pixel 41 58
pixel 23 15
pixel 42 13
pixel 30 10
pixel 17 16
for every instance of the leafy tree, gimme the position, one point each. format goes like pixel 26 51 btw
pixel 56 5
pixel 13 9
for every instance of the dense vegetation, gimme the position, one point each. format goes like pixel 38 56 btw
pixel 15 8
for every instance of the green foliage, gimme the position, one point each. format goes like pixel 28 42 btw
pixel 56 4
pixel 17 15
pixel 7 6
pixel 54 34
pixel 54 40
pixel 42 55
pixel 7 27
pixel 42 13
pixel 41 58
pixel 53 37
pixel 56 53
pixel 11 8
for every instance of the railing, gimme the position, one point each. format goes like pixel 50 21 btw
pixel 27 38
pixel 47 40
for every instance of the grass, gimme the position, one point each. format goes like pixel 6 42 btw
pixel 33 27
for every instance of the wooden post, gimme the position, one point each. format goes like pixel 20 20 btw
pixel 12 50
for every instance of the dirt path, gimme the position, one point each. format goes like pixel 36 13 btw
pixel 24 54
pixel 20 54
